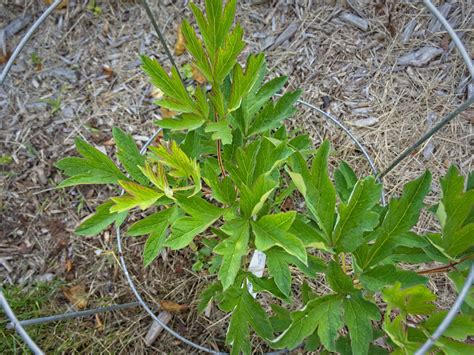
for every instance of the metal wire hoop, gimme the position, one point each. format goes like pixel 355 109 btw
pixel 469 281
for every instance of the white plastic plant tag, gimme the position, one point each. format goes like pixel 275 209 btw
pixel 256 267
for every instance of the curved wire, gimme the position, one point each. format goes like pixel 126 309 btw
pixel 18 327
pixel 350 135
pixel 26 38
pixel 450 316
pixel 454 36
pixel 70 315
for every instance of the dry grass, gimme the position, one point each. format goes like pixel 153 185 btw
pixel 355 70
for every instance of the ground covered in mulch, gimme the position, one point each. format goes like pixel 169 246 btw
pixel 80 76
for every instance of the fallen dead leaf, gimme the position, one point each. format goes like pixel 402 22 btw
pixel 165 113
pixel 288 205
pixel 108 71
pixel 158 138
pixel 62 5
pixel 69 265
pixel 109 143
pixel 197 75
pixel 76 295
pixel 99 325
pixel 173 307
pixel 4 56
pixel 180 45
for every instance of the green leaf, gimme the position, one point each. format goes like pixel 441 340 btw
pixel 227 55
pixel 181 165
pixel 396 331
pixel 137 196
pixel 199 208
pixel 261 284
pixel 223 190
pixel 245 312
pixel 272 115
pixel 312 342
pixel 152 222
pixel 316 187
pixel 401 216
pixel 461 327
pixel 194 46
pixel 307 293
pixel 338 280
pixel 158 178
pixel 176 96
pixel 452 347
pixel 413 300
pixel 129 155
pixel 100 220
pixel 459 278
pixel 282 318
pixel 208 294
pixel 184 121
pixel 358 314
pixel 265 93
pixel 94 168
pixel 323 314
pixel 242 83
pixel 183 231
pixel 357 216
pixel 375 279
pixel 278 261
pixel 203 215
pixel 155 243
pixel 232 249
pixel 220 130
pixel 242 170
pixel 253 198
pixel 307 233
pixel 271 230
pixel 345 180
pixel 270 156
pixel 456 206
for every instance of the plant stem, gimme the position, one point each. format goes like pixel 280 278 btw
pixel 444 268
pixel 343 262
pixel 438 269
pixel 219 158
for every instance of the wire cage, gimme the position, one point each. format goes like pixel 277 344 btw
pixel 19 325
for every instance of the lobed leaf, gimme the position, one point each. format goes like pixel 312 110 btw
pixel 401 216
pixel 272 115
pixel 100 220
pixel 316 188
pixel 94 168
pixel 246 312
pixel 129 155
pixel 357 216
pixel 358 314
pixel 232 250
pixel 272 230
pixel 412 300
pixel 137 196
